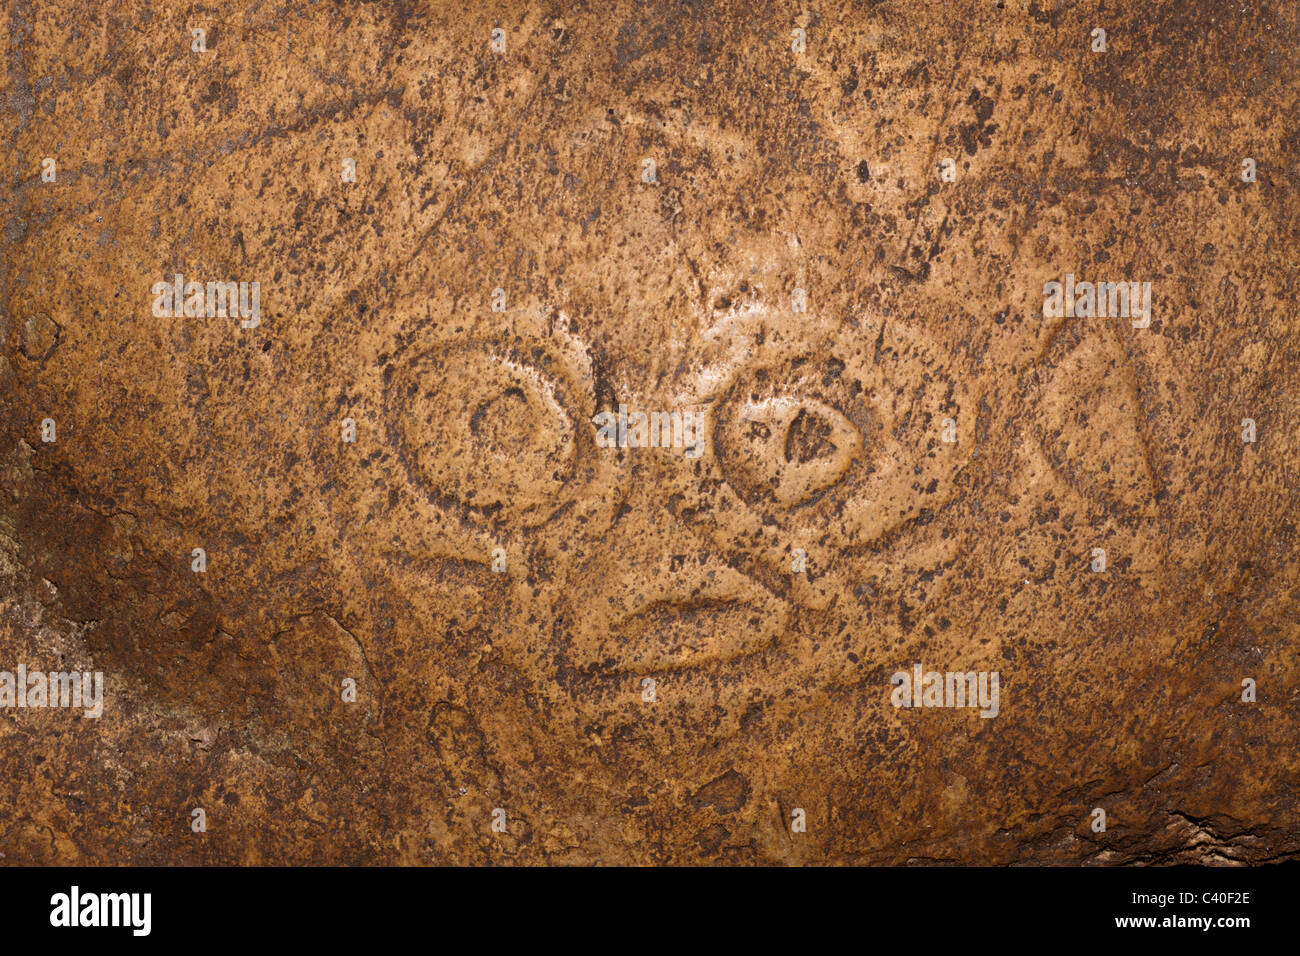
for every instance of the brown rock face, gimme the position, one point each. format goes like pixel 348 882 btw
pixel 630 405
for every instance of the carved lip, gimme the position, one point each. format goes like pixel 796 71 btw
pixel 674 633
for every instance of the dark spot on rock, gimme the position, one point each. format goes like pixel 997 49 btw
pixel 725 794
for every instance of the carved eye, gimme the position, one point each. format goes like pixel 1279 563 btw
pixel 489 431
pixel 786 448
pixel 789 432
pixel 838 448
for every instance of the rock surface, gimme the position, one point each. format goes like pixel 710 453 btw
pixel 859 322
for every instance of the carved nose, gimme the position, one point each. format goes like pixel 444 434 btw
pixel 651 597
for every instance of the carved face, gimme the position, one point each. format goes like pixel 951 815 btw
pixel 833 436
pixel 832 256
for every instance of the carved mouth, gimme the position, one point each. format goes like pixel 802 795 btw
pixel 674 634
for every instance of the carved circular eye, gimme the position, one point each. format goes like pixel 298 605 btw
pixel 488 431
pixel 786 448
pixel 833 450
pixel 789 432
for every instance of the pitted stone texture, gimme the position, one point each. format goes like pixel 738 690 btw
pixel 500 587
